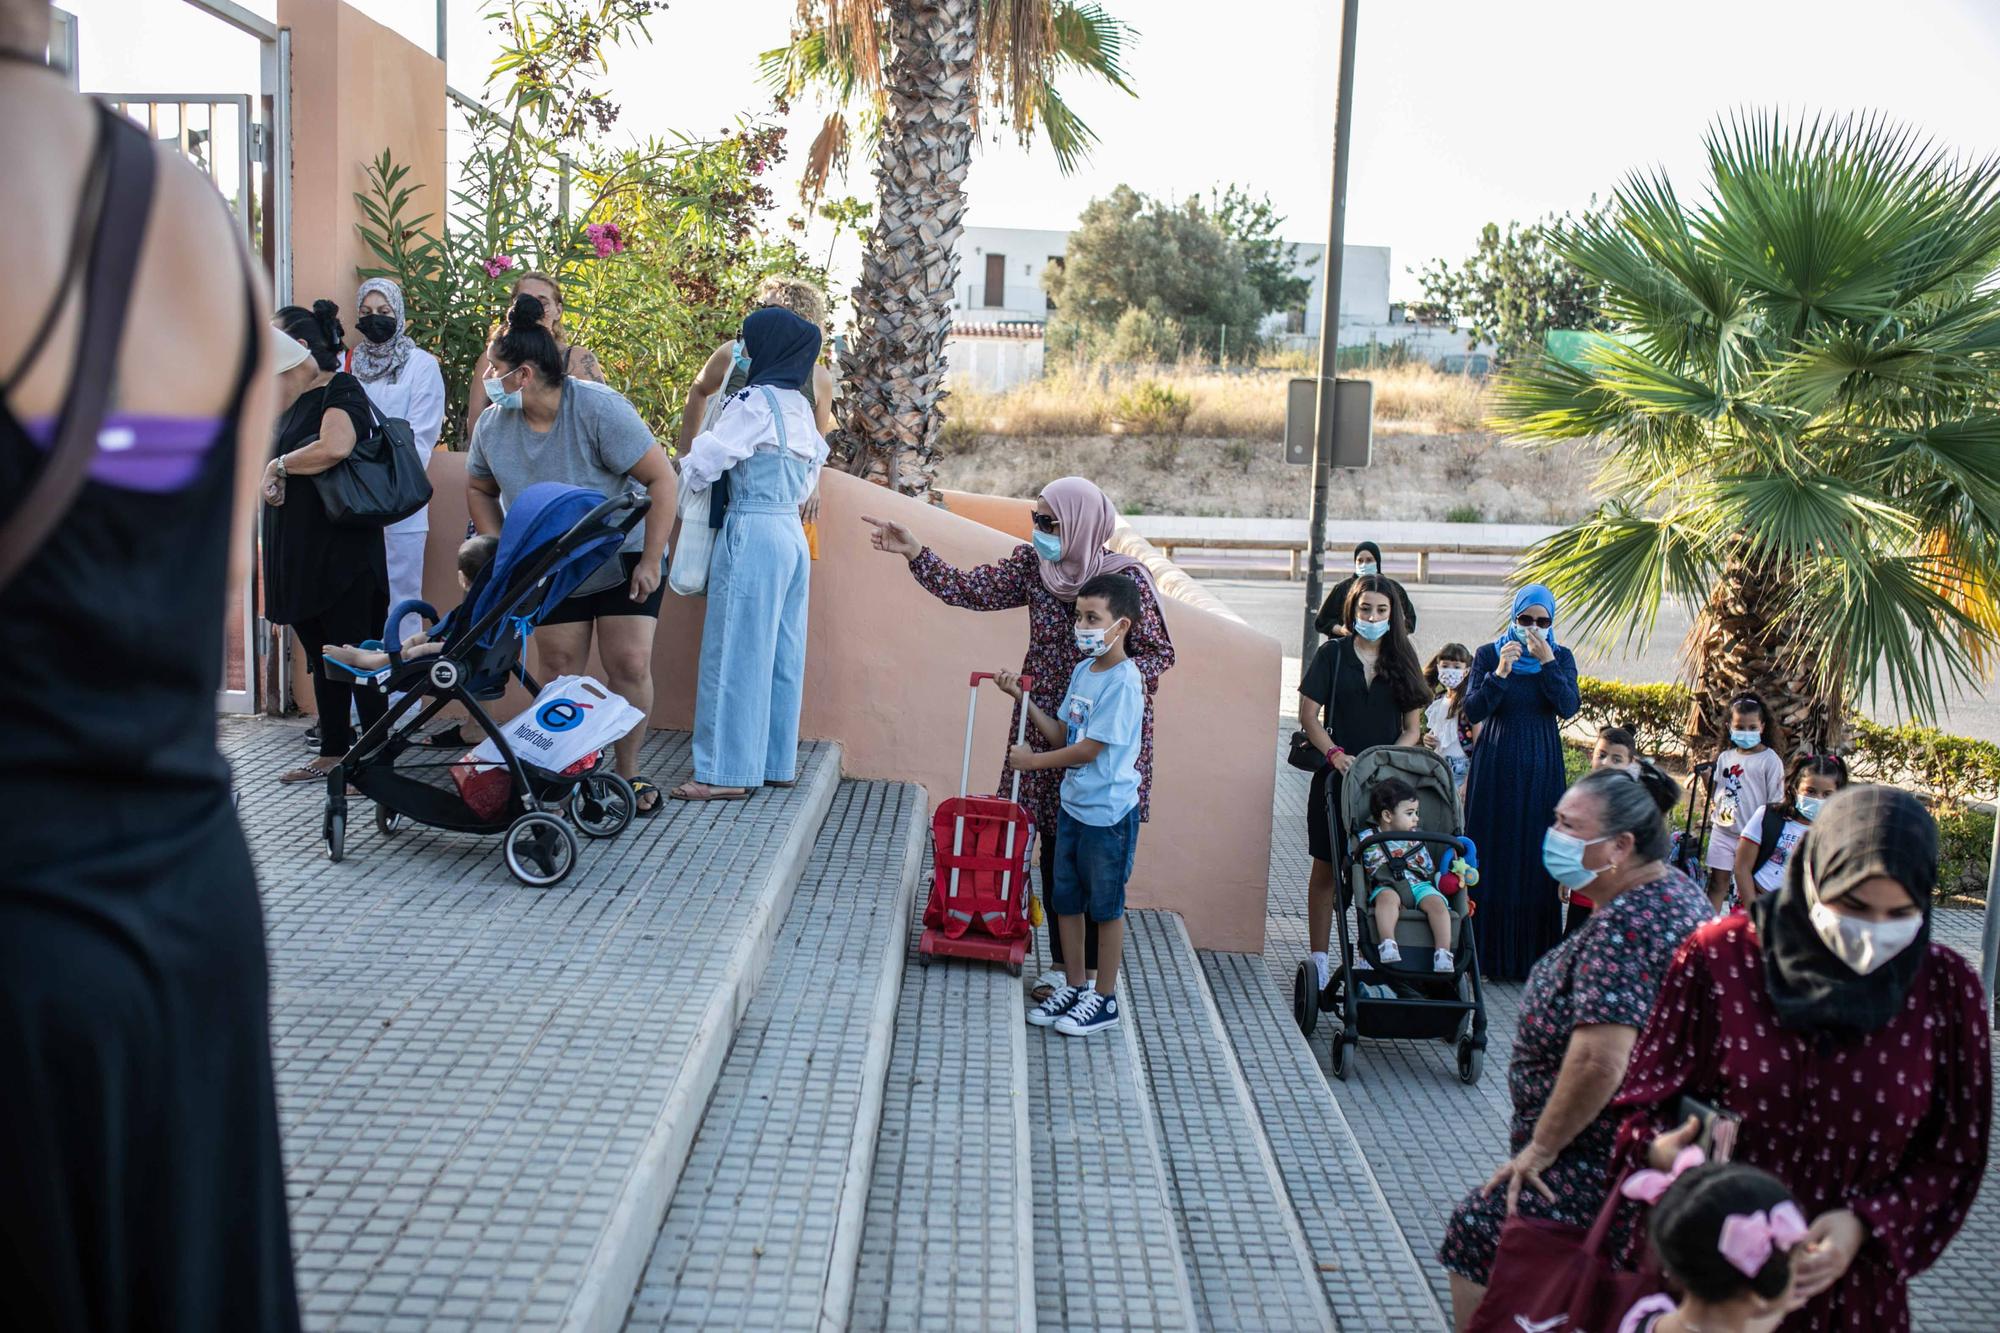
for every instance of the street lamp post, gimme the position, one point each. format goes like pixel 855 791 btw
pixel 1329 328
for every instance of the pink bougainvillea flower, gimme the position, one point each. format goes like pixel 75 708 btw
pixel 605 238
pixel 495 265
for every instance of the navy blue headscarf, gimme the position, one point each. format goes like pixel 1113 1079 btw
pixel 782 348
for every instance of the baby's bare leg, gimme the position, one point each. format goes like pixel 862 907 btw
pixel 1439 914
pixel 361 659
pixel 1388 905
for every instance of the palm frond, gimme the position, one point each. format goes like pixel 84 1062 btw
pixel 1091 41
pixel 1611 571
pixel 1883 624
pixel 1781 518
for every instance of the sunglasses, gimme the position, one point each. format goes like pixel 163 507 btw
pixel 1538 622
pixel 1047 522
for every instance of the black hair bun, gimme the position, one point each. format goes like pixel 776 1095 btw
pixel 328 315
pixel 526 313
pixel 1660 784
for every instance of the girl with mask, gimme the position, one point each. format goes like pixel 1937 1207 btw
pixel 1854 1049
pixel 1774 832
pixel 1445 730
pixel 753 633
pixel 1583 1008
pixel 402 380
pixel 1523 688
pixel 1073 525
pixel 1363 689
pixel 1749 775
pixel 1367 564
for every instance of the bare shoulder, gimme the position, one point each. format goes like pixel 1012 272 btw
pixel 584 365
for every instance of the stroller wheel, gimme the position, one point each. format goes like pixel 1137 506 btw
pixel 1305 997
pixel 602 805
pixel 1471 1060
pixel 334 830
pixel 540 849
pixel 1341 1063
pixel 388 822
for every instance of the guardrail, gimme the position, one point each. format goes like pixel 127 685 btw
pixel 1295 549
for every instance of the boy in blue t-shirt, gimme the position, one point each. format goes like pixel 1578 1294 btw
pixel 1097 832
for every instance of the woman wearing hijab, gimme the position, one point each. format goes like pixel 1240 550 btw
pixel 753 637
pixel 1854 1049
pixel 1523 687
pixel 401 380
pixel 1073 521
pixel 1367 563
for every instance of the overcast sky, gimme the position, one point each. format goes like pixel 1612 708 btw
pixel 1464 112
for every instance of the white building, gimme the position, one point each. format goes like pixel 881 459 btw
pixel 999 306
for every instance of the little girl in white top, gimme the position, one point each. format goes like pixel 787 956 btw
pixel 1445 732
pixel 1749 775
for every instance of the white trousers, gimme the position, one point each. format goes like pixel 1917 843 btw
pixel 405 551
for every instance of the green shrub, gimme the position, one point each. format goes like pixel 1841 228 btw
pixel 1143 338
pixel 1952 768
pixel 1464 514
pixel 1152 408
pixel 1240 454
pixel 1965 850
pixel 1657 714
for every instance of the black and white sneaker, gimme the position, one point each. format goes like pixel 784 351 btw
pixel 1091 1013
pixel 1058 1004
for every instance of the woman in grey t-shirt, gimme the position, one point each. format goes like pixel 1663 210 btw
pixel 545 426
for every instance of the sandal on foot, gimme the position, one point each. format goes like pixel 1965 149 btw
pixel 769 783
pixel 307 773
pixel 701 791
pixel 640 786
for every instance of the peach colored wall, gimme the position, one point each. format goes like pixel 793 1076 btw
pixel 357 88
pixel 886 668
pixel 1002 513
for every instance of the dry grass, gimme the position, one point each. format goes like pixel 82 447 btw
pixel 1249 405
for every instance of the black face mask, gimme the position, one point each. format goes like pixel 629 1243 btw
pixel 377 328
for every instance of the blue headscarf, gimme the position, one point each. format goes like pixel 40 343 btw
pixel 1534 594
pixel 782 348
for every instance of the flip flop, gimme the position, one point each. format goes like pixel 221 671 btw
pixel 685 792
pixel 640 786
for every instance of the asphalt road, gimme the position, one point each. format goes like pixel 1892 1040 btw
pixel 1471 615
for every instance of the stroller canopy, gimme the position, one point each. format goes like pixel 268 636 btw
pixel 539 516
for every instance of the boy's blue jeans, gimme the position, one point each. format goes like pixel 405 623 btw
pixel 1092 864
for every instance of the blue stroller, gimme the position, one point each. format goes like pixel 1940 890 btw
pixel 555 537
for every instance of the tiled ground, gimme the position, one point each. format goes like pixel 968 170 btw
pixel 751 1238
pixel 469 1071
pixel 1396 1084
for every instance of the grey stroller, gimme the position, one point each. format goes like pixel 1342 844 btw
pixel 1404 1001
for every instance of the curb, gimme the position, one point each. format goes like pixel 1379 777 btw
pixel 837 1298
pixel 617 1261
pixel 1025 1313
pixel 1149 1117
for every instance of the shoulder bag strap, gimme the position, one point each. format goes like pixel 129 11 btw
pixel 128 167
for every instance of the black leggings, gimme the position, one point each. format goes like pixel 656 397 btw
pixel 355 615
pixel 1048 865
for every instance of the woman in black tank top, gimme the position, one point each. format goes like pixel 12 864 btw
pixel 140 1178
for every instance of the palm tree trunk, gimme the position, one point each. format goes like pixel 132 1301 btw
pixel 893 374
pixel 1741 644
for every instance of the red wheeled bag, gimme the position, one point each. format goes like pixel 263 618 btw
pixel 978 906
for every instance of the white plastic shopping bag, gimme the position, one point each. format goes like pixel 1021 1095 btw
pixel 572 718
pixel 687 571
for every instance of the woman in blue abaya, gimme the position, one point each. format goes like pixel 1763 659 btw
pixel 753 638
pixel 1523 686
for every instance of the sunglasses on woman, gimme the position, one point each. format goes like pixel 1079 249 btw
pixel 1047 522
pixel 1535 622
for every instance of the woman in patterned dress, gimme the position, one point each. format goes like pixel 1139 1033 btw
pixel 1855 1049
pixel 1585 1002
pixel 1073 521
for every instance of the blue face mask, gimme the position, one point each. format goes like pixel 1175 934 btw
pixel 1048 546
pixel 1746 740
pixel 1520 635
pixel 1562 856
pixel 496 394
pixel 1808 807
pixel 1371 630
pixel 1363 568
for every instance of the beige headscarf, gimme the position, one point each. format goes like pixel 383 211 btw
pixel 1087 521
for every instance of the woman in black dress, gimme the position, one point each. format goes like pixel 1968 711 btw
pixel 140 1180
pixel 1363 689
pixel 331 585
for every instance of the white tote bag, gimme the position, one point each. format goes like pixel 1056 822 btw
pixel 687 572
pixel 572 718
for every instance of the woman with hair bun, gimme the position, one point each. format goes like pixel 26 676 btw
pixel 578 363
pixel 330 584
pixel 544 425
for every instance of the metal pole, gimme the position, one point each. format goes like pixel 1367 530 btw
pixel 1329 327
pixel 441 43
pixel 1989 940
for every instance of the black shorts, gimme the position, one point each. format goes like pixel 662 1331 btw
pixel 1319 832
pixel 615 600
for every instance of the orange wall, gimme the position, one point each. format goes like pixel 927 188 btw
pixel 357 88
pixel 886 668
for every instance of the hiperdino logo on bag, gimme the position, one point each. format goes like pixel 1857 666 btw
pixel 556 716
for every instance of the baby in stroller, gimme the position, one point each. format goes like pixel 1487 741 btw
pixel 1402 875
pixel 367 660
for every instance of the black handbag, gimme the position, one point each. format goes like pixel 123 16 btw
pixel 1305 756
pixel 380 483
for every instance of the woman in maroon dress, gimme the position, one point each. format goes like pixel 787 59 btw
pixel 1854 1049
pixel 1073 521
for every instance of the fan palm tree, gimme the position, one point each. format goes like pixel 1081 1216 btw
pixel 1801 400
pixel 919 72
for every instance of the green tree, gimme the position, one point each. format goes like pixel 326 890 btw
pixel 921 71
pixel 1800 404
pixel 1172 262
pixel 1272 264
pixel 1515 286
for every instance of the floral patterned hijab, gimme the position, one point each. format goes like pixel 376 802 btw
pixel 383 361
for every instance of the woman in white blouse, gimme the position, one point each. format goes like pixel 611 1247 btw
pixel 753 639
pixel 402 380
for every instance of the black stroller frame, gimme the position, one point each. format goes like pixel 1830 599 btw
pixel 1422 1005
pixel 538 845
